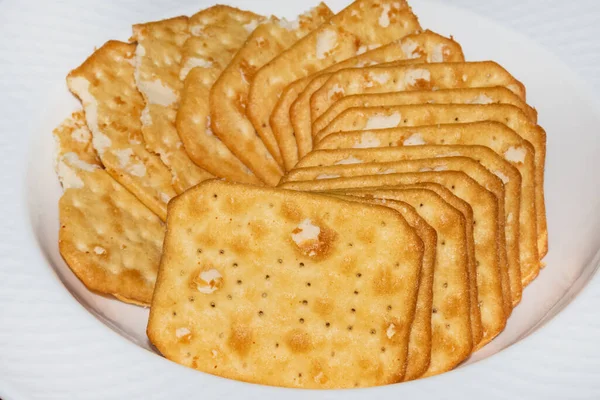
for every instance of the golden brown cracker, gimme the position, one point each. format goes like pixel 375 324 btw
pixel 433 76
pixel 217 33
pixel 157 63
pixel 451 317
pixel 277 287
pixel 488 95
pixel 419 343
pixel 493 135
pixel 113 106
pixel 363 24
pixel 508 174
pixel 472 168
pixel 425 46
pixel 229 94
pixel 431 114
pixel 486 228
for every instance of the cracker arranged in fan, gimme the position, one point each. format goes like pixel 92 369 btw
pixel 157 62
pixel 264 286
pixel 290 116
pixel 472 168
pixel 361 25
pixel 349 202
pixel 229 94
pixel 217 33
pixel 478 160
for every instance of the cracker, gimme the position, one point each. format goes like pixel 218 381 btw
pixel 451 318
pixel 157 63
pixel 113 106
pixel 430 114
pixel 496 136
pixel 419 342
pixel 278 287
pixel 107 237
pixel 486 228
pixel 510 176
pixel 363 24
pixel 425 46
pixel 489 95
pixel 74 136
pixel 470 167
pixel 425 76
pixel 217 33
pixel 229 94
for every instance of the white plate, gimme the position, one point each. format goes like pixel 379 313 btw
pixel 51 347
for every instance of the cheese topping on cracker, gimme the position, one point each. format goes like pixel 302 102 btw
pixel 409 48
pixel 381 121
pixel 414 75
pixel 326 42
pixel 157 93
pixel 515 154
pixel 414 140
pixel 305 233
pixel 209 281
pixel 336 89
pixel 391 331
pixel 364 48
pixel 379 78
pixel 124 156
pixel 349 160
pixel 384 19
pixel 99 250
pixel 367 140
pixel 437 54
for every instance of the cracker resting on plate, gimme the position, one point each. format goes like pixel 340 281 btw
pixel 278 287
pixel 113 107
pixel 110 240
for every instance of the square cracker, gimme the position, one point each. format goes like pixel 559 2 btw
pixel 113 106
pixel 510 176
pixel 107 237
pixel 425 76
pixel 157 62
pixel 495 136
pixel 217 33
pixel 362 24
pixel 419 342
pixel 294 142
pixel 451 319
pixel 472 168
pixel 229 94
pixel 278 287
pixel 432 114
pixel 489 95
pixel 486 228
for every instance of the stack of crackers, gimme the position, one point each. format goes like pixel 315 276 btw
pixel 408 213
